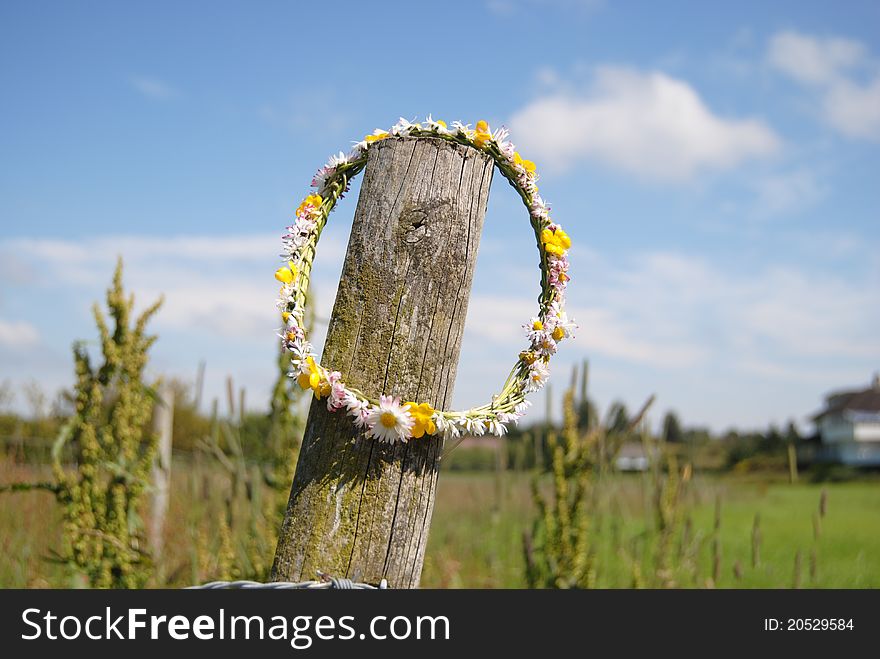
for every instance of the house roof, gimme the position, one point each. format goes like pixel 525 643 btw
pixel 864 400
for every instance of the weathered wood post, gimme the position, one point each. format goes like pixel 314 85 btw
pixel 163 421
pixel 360 508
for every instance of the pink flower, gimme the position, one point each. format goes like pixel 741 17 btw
pixel 337 398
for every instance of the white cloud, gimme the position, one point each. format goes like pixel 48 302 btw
pixel 854 110
pixel 152 87
pixel 830 66
pixel 726 343
pixel 813 60
pixel 603 331
pixel 676 311
pixel 650 124
pixel 788 192
pixel 219 302
pixel 18 334
pixel 219 282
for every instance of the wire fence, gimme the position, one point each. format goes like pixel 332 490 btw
pixel 325 582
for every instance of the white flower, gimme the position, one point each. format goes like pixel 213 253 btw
pixel 293 325
pixel 528 182
pixel 319 180
pixel 507 149
pixel 305 224
pixel 447 427
pixel 286 296
pixel 539 208
pixel 388 421
pixel 536 330
pixel 291 244
pixel 507 417
pixel 358 410
pixel 461 129
pixel 497 427
pixel 475 426
pixel 301 346
pixel 566 324
pixel 337 159
pixel 404 127
pixel 539 373
pixel 499 135
pixel 521 408
pixel 546 346
pixel 436 126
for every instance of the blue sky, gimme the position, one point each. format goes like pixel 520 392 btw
pixel 714 164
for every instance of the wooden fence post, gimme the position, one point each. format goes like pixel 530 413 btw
pixel 163 422
pixel 360 508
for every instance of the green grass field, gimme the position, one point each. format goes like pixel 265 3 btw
pixel 476 536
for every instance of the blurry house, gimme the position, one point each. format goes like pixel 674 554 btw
pixel 849 427
pixel 632 457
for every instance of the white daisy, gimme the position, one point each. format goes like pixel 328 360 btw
pixel 507 149
pixel 447 427
pixel 536 330
pixel 291 244
pixel 461 129
pixel 566 324
pixel 300 351
pixel 319 180
pixel 337 159
pixel 358 410
pixel 286 296
pixel 546 346
pixel 404 127
pixel 389 421
pixel 436 126
pixel 475 427
pixel 539 373
pixel 521 408
pixel 497 427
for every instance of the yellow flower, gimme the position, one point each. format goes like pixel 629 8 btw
pixel 421 415
pixel 538 325
pixel 527 356
pixel 377 135
pixel 482 134
pixel 312 200
pixel 528 165
pixel 286 274
pixel 441 122
pixel 555 242
pixel 558 334
pixel 285 316
pixel 314 380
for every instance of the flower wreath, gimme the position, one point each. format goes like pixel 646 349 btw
pixel 389 419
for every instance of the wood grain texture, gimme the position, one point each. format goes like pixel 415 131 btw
pixel 360 508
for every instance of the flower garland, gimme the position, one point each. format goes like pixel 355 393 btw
pixel 389 419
